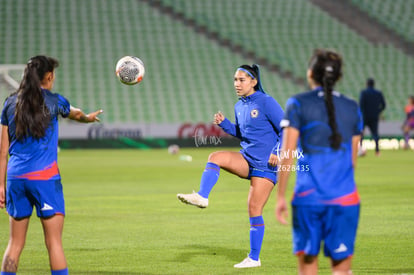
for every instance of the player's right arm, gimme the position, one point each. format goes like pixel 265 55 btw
pixel 290 141
pixel 78 115
pixel 226 125
pixel 4 151
pixel 355 145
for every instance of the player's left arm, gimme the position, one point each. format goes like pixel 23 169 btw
pixel 78 115
pixel 275 114
pixel 356 137
pixel 4 151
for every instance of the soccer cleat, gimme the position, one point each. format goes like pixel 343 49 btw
pixel 193 199
pixel 248 262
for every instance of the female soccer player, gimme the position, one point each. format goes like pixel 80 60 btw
pixel 258 117
pixel 322 129
pixel 409 121
pixel 30 135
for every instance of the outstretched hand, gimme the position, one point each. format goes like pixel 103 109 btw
pixel 78 115
pixel 92 117
pixel 218 118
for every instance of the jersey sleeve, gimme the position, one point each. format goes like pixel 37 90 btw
pixel 4 119
pixel 230 128
pixel 274 113
pixel 64 106
pixel 292 114
pixel 359 125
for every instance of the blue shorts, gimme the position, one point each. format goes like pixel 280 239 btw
pixel 334 224
pixel 260 171
pixel 45 195
pixel 255 172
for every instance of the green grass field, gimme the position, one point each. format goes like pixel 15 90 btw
pixel 123 217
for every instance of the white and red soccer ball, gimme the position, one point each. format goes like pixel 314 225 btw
pixel 130 70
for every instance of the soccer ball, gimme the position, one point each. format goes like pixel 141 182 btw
pixel 130 70
pixel 173 149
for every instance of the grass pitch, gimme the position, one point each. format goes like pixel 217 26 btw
pixel 123 217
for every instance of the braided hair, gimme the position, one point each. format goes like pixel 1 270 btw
pixel 326 67
pixel 31 114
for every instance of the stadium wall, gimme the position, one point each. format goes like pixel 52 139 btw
pixel 145 136
pixel 169 130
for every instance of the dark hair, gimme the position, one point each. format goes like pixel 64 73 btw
pixel 370 82
pixel 326 67
pixel 250 69
pixel 31 115
pixel 253 72
pixel 412 99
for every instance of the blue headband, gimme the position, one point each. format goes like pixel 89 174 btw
pixel 246 71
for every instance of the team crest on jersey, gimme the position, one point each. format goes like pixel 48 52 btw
pixel 254 113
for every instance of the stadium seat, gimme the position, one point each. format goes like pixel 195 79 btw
pixel 188 74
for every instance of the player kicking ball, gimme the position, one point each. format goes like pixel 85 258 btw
pixel 257 125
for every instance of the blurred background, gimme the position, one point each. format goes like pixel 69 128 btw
pixel 191 49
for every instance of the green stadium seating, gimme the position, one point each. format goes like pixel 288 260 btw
pixel 188 75
pixel 286 32
pixel 396 15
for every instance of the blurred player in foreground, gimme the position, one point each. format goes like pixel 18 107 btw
pixel 409 121
pixel 325 126
pixel 30 135
pixel 258 117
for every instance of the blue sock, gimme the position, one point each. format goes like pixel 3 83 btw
pixel 7 273
pixel 60 272
pixel 257 228
pixel 208 179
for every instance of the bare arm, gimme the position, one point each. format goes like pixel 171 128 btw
pixel 290 141
pixel 78 115
pixel 355 143
pixel 4 151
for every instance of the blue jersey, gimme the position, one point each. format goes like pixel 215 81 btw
pixel 257 125
pixel 30 158
pixel 329 174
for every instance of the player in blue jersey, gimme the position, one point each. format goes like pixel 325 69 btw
pixel 30 136
pixel 321 130
pixel 257 125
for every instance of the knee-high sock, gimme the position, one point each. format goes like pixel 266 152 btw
pixel 60 272
pixel 257 229
pixel 208 179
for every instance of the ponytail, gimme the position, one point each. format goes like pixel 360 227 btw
pixel 326 69
pixel 32 117
pixel 328 83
